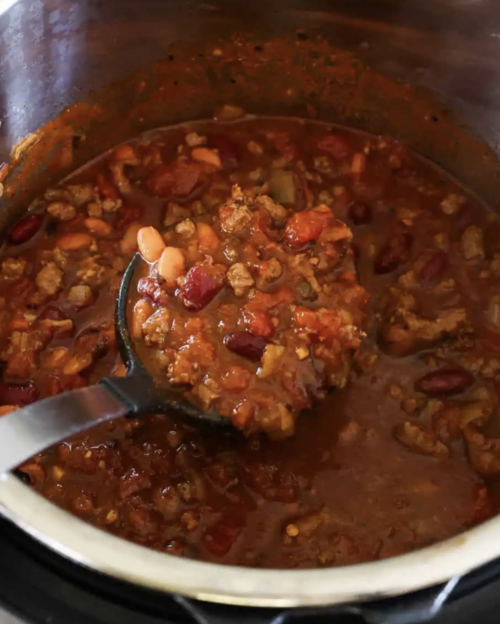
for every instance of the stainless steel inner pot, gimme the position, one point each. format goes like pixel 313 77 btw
pixel 52 52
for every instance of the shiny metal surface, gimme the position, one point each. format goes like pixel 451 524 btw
pixel 29 431
pixel 53 51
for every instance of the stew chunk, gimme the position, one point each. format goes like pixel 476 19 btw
pixel 294 326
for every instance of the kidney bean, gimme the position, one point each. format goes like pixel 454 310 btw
pixel 220 538
pixel 246 344
pixel 25 229
pixel 335 144
pixel 53 313
pixel 149 287
pixel 176 180
pixel 404 173
pixel 128 215
pixel 393 253
pixel 18 394
pixel 228 151
pixel 359 213
pixel 444 382
pixel 201 286
pixel 108 189
pixel 434 267
pixel 464 218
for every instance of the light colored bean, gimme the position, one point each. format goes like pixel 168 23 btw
pixel 98 226
pixel 74 241
pixel 208 240
pixel 358 163
pixel 6 409
pixel 209 156
pixel 56 357
pixel 142 311
pixel 77 363
pixel 151 244
pixel 126 154
pixel 128 243
pixel 171 265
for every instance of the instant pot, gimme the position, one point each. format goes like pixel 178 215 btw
pixel 77 77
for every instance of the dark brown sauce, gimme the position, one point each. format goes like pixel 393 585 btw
pixel 349 487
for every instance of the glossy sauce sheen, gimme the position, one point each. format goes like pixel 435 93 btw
pixel 395 461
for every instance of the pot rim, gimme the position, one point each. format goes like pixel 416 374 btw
pixel 86 545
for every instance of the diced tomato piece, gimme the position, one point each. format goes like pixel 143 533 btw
pixel 228 151
pixel 307 226
pixel 259 323
pixel 108 189
pixel 128 215
pixel 270 301
pixel 18 394
pixel 177 179
pixel 220 538
pixel 322 323
pixel 335 144
pixel 202 284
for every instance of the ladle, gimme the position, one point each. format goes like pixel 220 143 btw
pixel 32 429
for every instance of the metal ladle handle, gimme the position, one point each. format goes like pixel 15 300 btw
pixel 32 429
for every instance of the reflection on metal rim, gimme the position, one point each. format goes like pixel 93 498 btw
pixel 5 5
pixel 110 555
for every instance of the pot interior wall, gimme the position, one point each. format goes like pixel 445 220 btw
pixel 306 59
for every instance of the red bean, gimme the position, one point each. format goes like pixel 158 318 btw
pixel 434 267
pixel 393 253
pixel 359 213
pixel 444 382
pixel 25 229
pixel 108 190
pixel 228 151
pixel 149 287
pixel 53 313
pixel 173 180
pixel 336 145
pixel 404 173
pixel 220 538
pixel 18 394
pixel 201 286
pixel 246 344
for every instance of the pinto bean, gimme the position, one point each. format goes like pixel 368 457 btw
pixel 98 226
pixel 74 241
pixel 142 311
pixel 128 243
pixel 151 243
